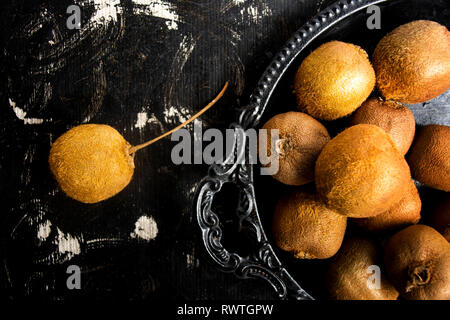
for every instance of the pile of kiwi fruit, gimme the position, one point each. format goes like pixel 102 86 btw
pixel 367 176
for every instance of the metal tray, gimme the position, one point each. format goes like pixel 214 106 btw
pixel 345 21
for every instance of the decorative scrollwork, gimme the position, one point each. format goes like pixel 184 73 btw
pixel 263 263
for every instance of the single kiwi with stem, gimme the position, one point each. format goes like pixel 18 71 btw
pixel 304 226
pixel 417 260
pixel 412 63
pixel 348 274
pixel 361 173
pixel 93 162
pixel 334 80
pixel 393 117
pixel 301 138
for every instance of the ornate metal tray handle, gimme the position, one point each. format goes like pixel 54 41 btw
pixel 263 263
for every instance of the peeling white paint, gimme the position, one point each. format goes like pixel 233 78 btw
pixel 173 113
pixel 106 11
pixel 44 230
pixel 176 114
pixel 160 9
pixel 68 244
pixel 145 228
pixel 21 114
pixel 171 25
pixel 141 121
pixel 187 45
pixel 255 13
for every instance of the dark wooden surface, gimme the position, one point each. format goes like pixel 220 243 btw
pixel 162 62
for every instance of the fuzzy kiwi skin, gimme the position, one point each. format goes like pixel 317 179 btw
pixel 361 173
pixel 334 80
pixel 429 157
pixel 412 63
pixel 301 139
pixel 394 118
pixel 303 225
pixel 91 162
pixel 417 260
pixel 401 215
pixel 440 218
pixel 347 276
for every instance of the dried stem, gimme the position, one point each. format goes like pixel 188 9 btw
pixel 198 114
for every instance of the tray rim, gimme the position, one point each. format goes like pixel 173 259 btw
pixel 263 262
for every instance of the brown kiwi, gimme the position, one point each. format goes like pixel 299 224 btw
pixel 412 63
pixel 440 218
pixel 93 162
pixel 348 275
pixel 334 80
pixel 402 214
pixel 301 139
pixel 417 260
pixel 304 226
pixel 429 157
pixel 361 173
pixel 392 117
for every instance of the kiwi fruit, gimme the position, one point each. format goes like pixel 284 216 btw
pixel 303 225
pixel 348 275
pixel 429 157
pixel 440 217
pixel 417 261
pixel 93 162
pixel 334 80
pixel 412 63
pixel 393 117
pixel 402 214
pixel 360 173
pixel 301 138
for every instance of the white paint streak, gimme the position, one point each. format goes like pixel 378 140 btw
pixel 187 45
pixel 44 230
pixel 145 228
pixel 68 244
pixel 21 114
pixel 184 51
pixel 106 11
pixel 254 13
pixel 159 9
pixel 176 114
pixel 141 121
pixel 171 25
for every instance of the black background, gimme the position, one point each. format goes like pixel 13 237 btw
pixel 133 64
pixel 110 73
